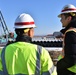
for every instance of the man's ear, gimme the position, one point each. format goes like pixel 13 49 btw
pixel 29 32
pixel 69 18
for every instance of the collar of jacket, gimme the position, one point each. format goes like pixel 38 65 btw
pixel 23 38
pixel 71 24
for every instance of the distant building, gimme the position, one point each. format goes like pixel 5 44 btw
pixel 50 36
pixel 57 34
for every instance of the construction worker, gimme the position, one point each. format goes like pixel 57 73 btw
pixel 11 38
pixel 22 57
pixel 67 64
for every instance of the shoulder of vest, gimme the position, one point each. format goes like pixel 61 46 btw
pixel 72 29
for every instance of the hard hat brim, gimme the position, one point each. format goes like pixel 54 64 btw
pixel 59 15
pixel 65 12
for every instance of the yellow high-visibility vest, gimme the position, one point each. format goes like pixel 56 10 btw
pixel 26 58
pixel 73 68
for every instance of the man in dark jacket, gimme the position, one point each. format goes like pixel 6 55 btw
pixel 67 65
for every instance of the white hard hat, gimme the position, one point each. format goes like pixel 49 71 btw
pixel 24 21
pixel 67 9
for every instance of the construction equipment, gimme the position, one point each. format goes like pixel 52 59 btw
pixel 4 26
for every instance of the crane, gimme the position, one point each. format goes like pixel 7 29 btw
pixel 4 26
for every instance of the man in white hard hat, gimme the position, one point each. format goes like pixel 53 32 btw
pixel 67 64
pixel 22 57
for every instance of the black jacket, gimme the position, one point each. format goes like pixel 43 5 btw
pixel 69 48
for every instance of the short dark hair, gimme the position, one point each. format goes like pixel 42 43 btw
pixel 19 31
pixel 67 15
pixel 70 14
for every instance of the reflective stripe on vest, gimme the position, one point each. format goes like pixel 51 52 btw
pixel 50 71
pixel 71 29
pixel 3 62
pixel 38 64
pixel 1 72
pixel 37 72
pixel 39 50
pixel 72 69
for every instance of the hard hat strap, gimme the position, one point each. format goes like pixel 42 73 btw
pixel 26 30
pixel 73 14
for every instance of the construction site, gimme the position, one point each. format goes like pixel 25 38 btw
pixel 53 45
